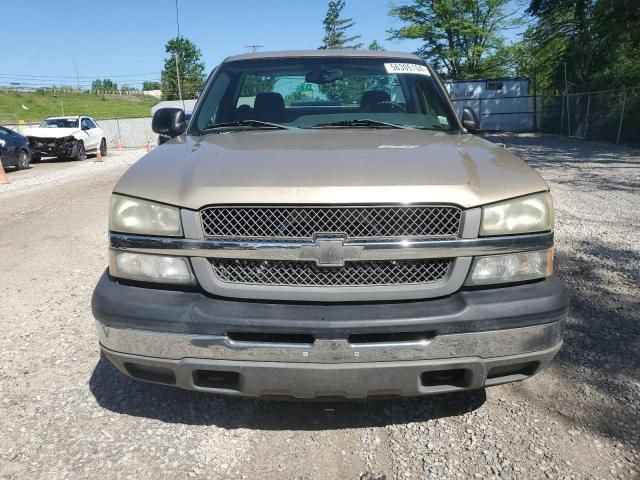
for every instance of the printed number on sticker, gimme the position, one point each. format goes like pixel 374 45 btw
pixel 410 68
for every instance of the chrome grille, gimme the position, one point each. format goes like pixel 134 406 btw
pixel 285 223
pixel 308 274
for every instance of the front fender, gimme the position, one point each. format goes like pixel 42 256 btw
pixel 81 136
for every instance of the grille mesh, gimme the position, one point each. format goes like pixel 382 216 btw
pixel 299 274
pixel 283 223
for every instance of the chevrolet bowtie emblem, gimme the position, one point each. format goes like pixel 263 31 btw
pixel 330 252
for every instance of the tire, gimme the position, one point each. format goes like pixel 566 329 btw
pixel 23 160
pixel 80 152
pixel 103 147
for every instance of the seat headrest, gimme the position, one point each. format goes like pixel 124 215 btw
pixel 243 112
pixel 269 107
pixel 373 97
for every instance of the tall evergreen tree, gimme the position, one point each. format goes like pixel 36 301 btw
pixel 335 28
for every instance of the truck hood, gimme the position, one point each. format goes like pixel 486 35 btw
pixel 50 132
pixel 329 167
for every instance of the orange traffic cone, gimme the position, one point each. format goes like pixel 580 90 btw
pixel 98 155
pixel 3 176
pixel 149 148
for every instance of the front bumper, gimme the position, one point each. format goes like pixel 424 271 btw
pixel 467 340
pixel 329 380
pixel 62 147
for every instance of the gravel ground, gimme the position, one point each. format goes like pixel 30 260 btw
pixel 53 171
pixel 66 413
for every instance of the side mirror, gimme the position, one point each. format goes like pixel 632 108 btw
pixel 169 122
pixel 470 120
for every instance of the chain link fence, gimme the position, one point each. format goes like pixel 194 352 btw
pixel 119 132
pixel 8 120
pixel 608 116
pixel 130 132
pixel 124 116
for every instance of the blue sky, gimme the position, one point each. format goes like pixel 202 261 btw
pixel 124 40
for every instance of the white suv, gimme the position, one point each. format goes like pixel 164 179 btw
pixel 66 137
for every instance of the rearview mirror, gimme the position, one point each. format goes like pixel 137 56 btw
pixel 169 122
pixel 323 76
pixel 470 120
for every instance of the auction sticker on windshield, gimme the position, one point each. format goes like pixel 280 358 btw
pixel 412 68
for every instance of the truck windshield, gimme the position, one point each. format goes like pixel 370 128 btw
pixel 324 92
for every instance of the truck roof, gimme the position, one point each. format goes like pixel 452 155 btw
pixel 323 53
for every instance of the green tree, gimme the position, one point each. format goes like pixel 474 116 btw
pixel 254 84
pixel 565 29
pixel 335 28
pixel 597 41
pixel 346 91
pixel 375 46
pixel 109 85
pixel 304 91
pixel 191 69
pixel 104 85
pixel 128 88
pixel 462 38
pixel 151 85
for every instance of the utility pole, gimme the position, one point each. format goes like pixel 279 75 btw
pixel 77 77
pixel 253 48
pixel 176 57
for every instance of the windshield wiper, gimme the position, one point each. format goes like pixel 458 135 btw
pixel 439 128
pixel 365 122
pixel 246 123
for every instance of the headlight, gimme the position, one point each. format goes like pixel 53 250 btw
pixel 131 215
pixel 151 268
pixel 533 213
pixel 514 267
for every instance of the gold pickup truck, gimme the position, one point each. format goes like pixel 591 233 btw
pixel 325 226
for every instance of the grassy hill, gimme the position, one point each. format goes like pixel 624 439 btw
pixel 42 105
